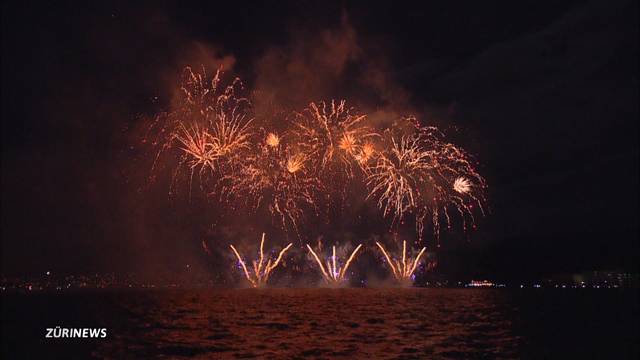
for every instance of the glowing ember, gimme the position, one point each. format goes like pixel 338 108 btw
pixel 402 270
pixel 261 271
pixel 333 273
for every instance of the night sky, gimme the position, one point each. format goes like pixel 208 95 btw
pixel 543 94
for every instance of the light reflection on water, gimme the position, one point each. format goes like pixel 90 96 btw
pixel 325 323
pixel 330 323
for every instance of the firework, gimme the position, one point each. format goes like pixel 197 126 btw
pixel 333 273
pixel 367 152
pixel 396 176
pixel 296 162
pixel 462 185
pixel 402 270
pixel 210 126
pixel 422 175
pixel 272 140
pixel 278 178
pixel 334 135
pixel 261 271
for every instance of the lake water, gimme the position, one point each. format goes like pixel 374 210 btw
pixel 327 323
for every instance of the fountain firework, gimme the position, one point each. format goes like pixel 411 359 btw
pixel 403 269
pixel 333 273
pixel 261 271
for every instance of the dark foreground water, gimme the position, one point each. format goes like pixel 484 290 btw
pixel 327 324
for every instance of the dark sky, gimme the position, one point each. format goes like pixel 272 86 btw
pixel 544 94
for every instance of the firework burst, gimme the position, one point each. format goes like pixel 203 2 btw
pixel 394 179
pixel 272 140
pixel 210 127
pixel 278 178
pixel 462 185
pixel 365 155
pixel 334 135
pixel 261 270
pixel 333 273
pixel 420 174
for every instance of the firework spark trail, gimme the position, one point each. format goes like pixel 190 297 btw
pixel 402 270
pixel 333 273
pixel 261 271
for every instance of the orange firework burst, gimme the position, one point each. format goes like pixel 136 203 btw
pixel 278 178
pixel 330 132
pixel 210 126
pixel 272 140
pixel 261 271
pixel 402 269
pixel 423 175
pixel 462 185
pixel 366 154
pixel 333 273
pixel 197 145
pixel 396 176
